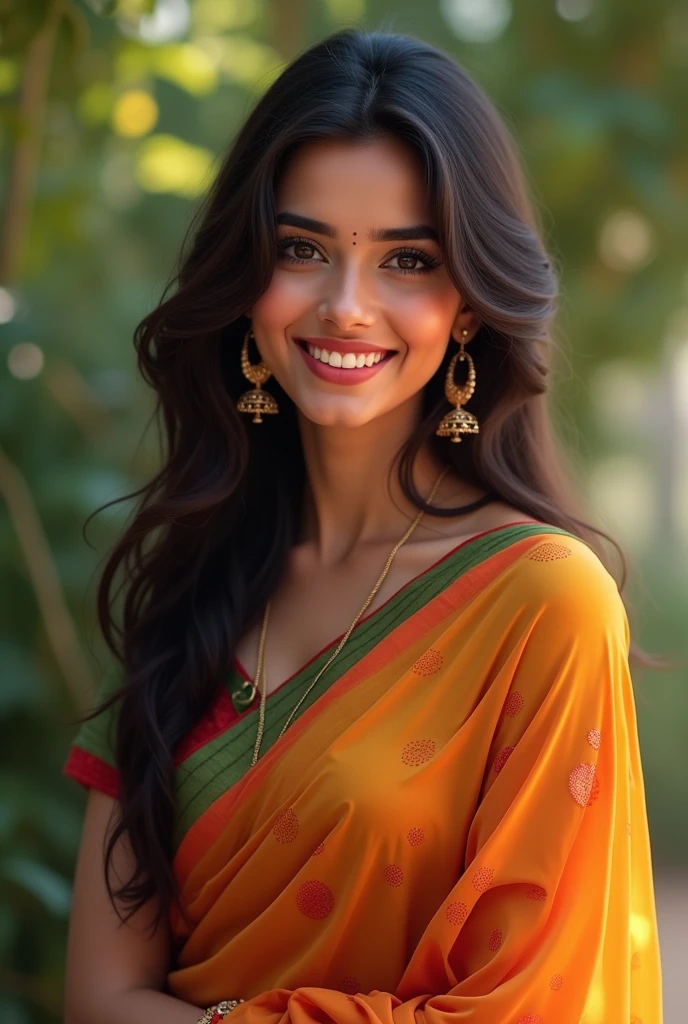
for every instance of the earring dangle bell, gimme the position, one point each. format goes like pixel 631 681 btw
pixel 459 421
pixel 257 402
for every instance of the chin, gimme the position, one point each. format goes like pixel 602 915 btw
pixel 329 413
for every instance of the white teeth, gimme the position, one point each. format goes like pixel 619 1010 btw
pixel 347 361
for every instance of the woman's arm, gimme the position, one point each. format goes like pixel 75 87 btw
pixel 115 972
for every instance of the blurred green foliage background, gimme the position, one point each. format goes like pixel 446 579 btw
pixel 114 113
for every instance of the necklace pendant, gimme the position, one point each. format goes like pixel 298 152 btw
pixel 244 695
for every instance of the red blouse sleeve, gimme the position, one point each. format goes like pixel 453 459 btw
pixel 91 758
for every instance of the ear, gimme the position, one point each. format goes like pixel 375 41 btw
pixel 465 321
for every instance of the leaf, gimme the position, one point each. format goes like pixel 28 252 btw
pixel 131 8
pixel 20 685
pixel 104 8
pixel 12 1011
pixel 188 66
pixel 49 888
pixel 168 164
pixel 7 934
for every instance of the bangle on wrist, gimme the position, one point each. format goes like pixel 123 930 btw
pixel 219 1011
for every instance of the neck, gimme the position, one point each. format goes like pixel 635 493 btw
pixel 349 501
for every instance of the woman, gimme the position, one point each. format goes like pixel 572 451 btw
pixel 369 751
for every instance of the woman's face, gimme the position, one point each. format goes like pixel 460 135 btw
pixel 388 302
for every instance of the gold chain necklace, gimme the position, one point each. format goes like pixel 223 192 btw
pixel 261 681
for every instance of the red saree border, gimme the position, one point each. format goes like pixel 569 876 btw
pixel 207 828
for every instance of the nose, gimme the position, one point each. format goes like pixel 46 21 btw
pixel 346 304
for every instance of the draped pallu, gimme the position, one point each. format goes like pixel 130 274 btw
pixel 453 827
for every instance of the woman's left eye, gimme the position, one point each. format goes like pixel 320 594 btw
pixel 417 255
pixel 409 255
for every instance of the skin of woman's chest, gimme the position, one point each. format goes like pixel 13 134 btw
pixel 314 606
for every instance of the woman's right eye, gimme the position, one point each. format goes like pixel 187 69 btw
pixel 301 243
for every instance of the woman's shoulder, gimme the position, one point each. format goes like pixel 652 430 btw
pixel 554 573
pixel 561 576
pixel 557 562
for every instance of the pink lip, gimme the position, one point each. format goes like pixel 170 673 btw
pixel 336 375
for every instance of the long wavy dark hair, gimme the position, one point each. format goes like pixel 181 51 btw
pixel 211 531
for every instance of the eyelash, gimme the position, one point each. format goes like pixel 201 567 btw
pixel 429 261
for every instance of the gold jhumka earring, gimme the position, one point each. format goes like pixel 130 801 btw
pixel 459 421
pixel 257 402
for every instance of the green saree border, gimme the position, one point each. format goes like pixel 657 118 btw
pixel 214 768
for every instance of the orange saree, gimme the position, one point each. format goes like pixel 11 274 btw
pixel 455 831
pixel 452 831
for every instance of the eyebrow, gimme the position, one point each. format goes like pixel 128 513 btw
pixel 297 220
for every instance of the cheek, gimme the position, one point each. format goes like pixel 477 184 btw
pixel 423 318
pixel 283 302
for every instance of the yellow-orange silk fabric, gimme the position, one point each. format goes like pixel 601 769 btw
pixel 454 832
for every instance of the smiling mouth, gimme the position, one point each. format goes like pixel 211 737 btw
pixel 347 360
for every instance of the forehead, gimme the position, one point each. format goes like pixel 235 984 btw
pixel 356 185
